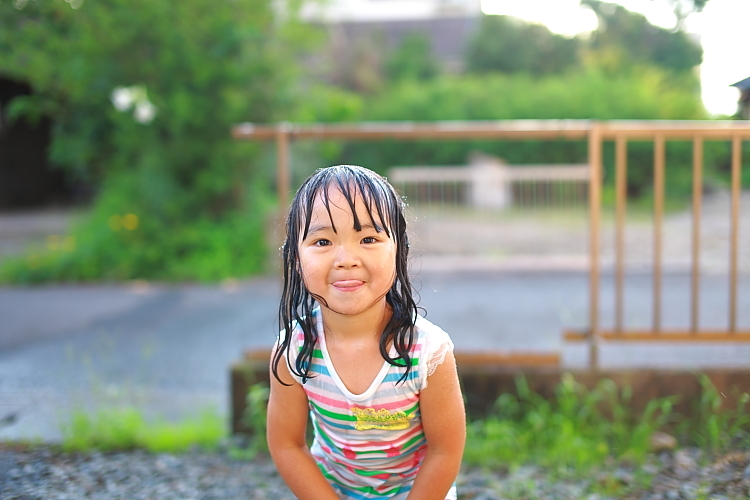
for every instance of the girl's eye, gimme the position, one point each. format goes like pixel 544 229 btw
pixel 369 239
pixel 322 243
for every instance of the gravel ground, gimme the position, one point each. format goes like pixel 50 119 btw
pixel 41 472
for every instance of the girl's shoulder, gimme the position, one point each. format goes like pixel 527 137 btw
pixel 433 344
pixel 429 332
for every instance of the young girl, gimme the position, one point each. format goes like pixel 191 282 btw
pixel 378 381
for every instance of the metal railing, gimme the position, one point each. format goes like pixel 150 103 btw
pixel 596 133
pixel 659 133
pixel 493 185
pixel 488 215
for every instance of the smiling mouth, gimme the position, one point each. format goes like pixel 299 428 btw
pixel 348 285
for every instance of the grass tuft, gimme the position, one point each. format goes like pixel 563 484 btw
pixel 126 428
pixel 717 428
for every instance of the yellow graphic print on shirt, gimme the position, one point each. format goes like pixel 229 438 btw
pixel 370 418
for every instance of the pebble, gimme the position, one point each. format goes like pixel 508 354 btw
pixel 661 441
pixel 44 473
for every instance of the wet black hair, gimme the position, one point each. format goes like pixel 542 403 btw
pixel 297 303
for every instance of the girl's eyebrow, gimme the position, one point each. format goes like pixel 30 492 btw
pixel 317 228
pixel 370 226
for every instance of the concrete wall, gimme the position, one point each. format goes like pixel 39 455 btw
pixel 482 384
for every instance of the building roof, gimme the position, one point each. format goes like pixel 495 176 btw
pixel 448 36
pixel 335 11
pixel 742 84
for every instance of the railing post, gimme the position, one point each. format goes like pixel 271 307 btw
pixel 735 228
pixel 697 203
pixel 595 165
pixel 282 166
pixel 621 162
pixel 658 219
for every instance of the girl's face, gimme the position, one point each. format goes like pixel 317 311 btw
pixel 350 270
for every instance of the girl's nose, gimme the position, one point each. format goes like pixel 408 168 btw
pixel 347 257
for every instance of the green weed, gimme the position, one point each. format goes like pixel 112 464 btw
pixel 572 432
pixel 254 418
pixel 126 428
pixel 716 427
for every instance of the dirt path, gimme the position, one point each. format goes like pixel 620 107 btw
pixel 22 230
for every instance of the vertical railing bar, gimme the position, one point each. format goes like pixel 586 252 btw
pixel 283 181
pixel 697 206
pixel 620 203
pixel 442 198
pixel 554 193
pixel 595 160
pixel 568 195
pixel 282 166
pixel 734 235
pixel 429 214
pixel 658 218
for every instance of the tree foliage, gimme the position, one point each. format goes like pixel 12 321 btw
pixel 628 39
pixel 143 95
pixel 510 45
pixel 623 40
pixel 683 8
pixel 411 60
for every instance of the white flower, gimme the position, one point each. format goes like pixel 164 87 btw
pixel 135 96
pixel 122 98
pixel 144 112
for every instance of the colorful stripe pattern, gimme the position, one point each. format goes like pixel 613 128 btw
pixel 369 445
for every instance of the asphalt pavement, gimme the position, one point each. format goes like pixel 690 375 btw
pixel 167 348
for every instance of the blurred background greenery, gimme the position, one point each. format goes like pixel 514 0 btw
pixel 139 97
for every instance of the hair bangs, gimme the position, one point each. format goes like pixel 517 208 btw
pixel 355 189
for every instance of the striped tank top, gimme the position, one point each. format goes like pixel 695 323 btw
pixel 371 445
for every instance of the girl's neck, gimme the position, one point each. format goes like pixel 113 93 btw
pixel 368 324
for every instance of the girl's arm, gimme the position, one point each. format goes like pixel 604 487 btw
pixel 286 428
pixel 444 421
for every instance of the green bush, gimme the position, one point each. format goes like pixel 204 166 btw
pixel 645 94
pixel 126 237
pixel 143 95
pixel 510 45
